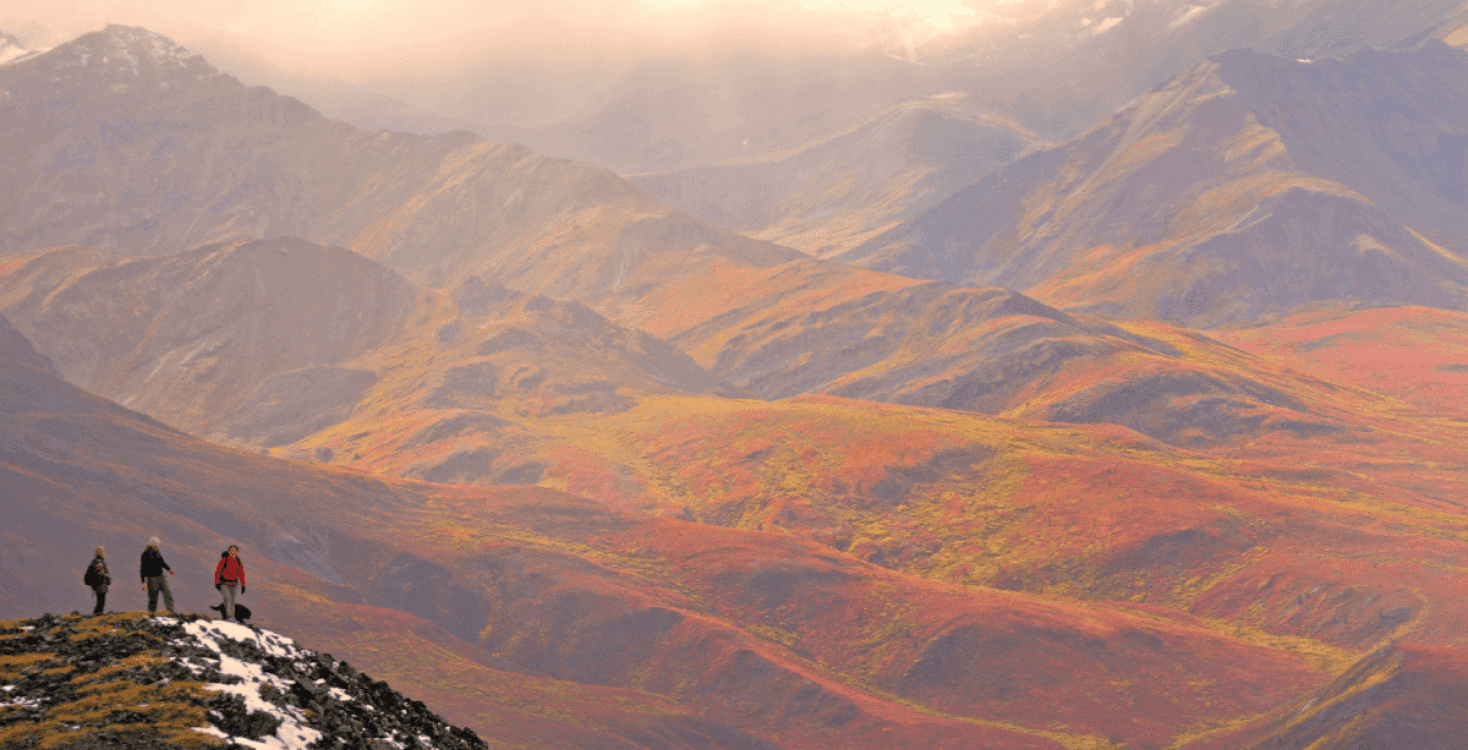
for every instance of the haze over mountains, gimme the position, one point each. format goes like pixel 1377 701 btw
pixel 153 151
pixel 580 469
pixel 1054 67
pixel 826 196
pixel 1178 208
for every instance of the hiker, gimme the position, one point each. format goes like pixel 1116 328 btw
pixel 227 573
pixel 150 570
pixel 98 578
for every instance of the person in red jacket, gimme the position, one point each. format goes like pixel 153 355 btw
pixel 229 572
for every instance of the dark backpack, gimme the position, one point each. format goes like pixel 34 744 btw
pixel 91 577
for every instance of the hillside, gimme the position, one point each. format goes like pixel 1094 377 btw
pixel 1401 696
pixel 1411 353
pixel 1246 186
pixel 559 587
pixel 265 342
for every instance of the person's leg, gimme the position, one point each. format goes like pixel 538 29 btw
pixel 228 590
pixel 101 601
pixel 153 593
pixel 167 593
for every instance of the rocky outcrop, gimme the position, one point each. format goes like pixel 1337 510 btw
pixel 125 681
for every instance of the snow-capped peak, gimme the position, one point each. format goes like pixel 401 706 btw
pixel 126 40
pixel 129 51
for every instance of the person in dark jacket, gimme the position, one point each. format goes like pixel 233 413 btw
pixel 150 570
pixel 98 578
pixel 229 572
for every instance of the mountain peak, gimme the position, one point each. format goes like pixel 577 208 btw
pixel 129 52
pixel 120 38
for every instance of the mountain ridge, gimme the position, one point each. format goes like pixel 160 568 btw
pixel 153 152
pixel 825 197
pixel 1076 226
pixel 264 342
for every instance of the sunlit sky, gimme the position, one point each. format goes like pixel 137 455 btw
pixel 354 37
pixel 409 49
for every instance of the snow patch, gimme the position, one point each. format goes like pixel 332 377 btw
pixel 292 734
pixel 22 703
pixel 1190 14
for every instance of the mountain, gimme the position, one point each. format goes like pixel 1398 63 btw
pixel 817 154
pixel 816 327
pixel 826 196
pixel 264 342
pixel 1060 67
pixel 1054 67
pixel 668 287
pixel 125 141
pixel 1249 185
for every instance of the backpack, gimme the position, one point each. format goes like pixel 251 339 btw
pixel 91 577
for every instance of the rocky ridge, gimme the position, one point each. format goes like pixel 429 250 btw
pixel 135 681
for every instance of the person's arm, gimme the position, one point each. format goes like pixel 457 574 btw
pixel 242 575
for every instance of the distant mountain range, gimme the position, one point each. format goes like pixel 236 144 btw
pixel 152 151
pixel 1250 185
pixel 186 337
pixel 829 195
pixel 1055 68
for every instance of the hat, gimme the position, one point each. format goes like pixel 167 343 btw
pixel 152 541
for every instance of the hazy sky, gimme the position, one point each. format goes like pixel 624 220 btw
pixel 363 40
pixel 515 61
